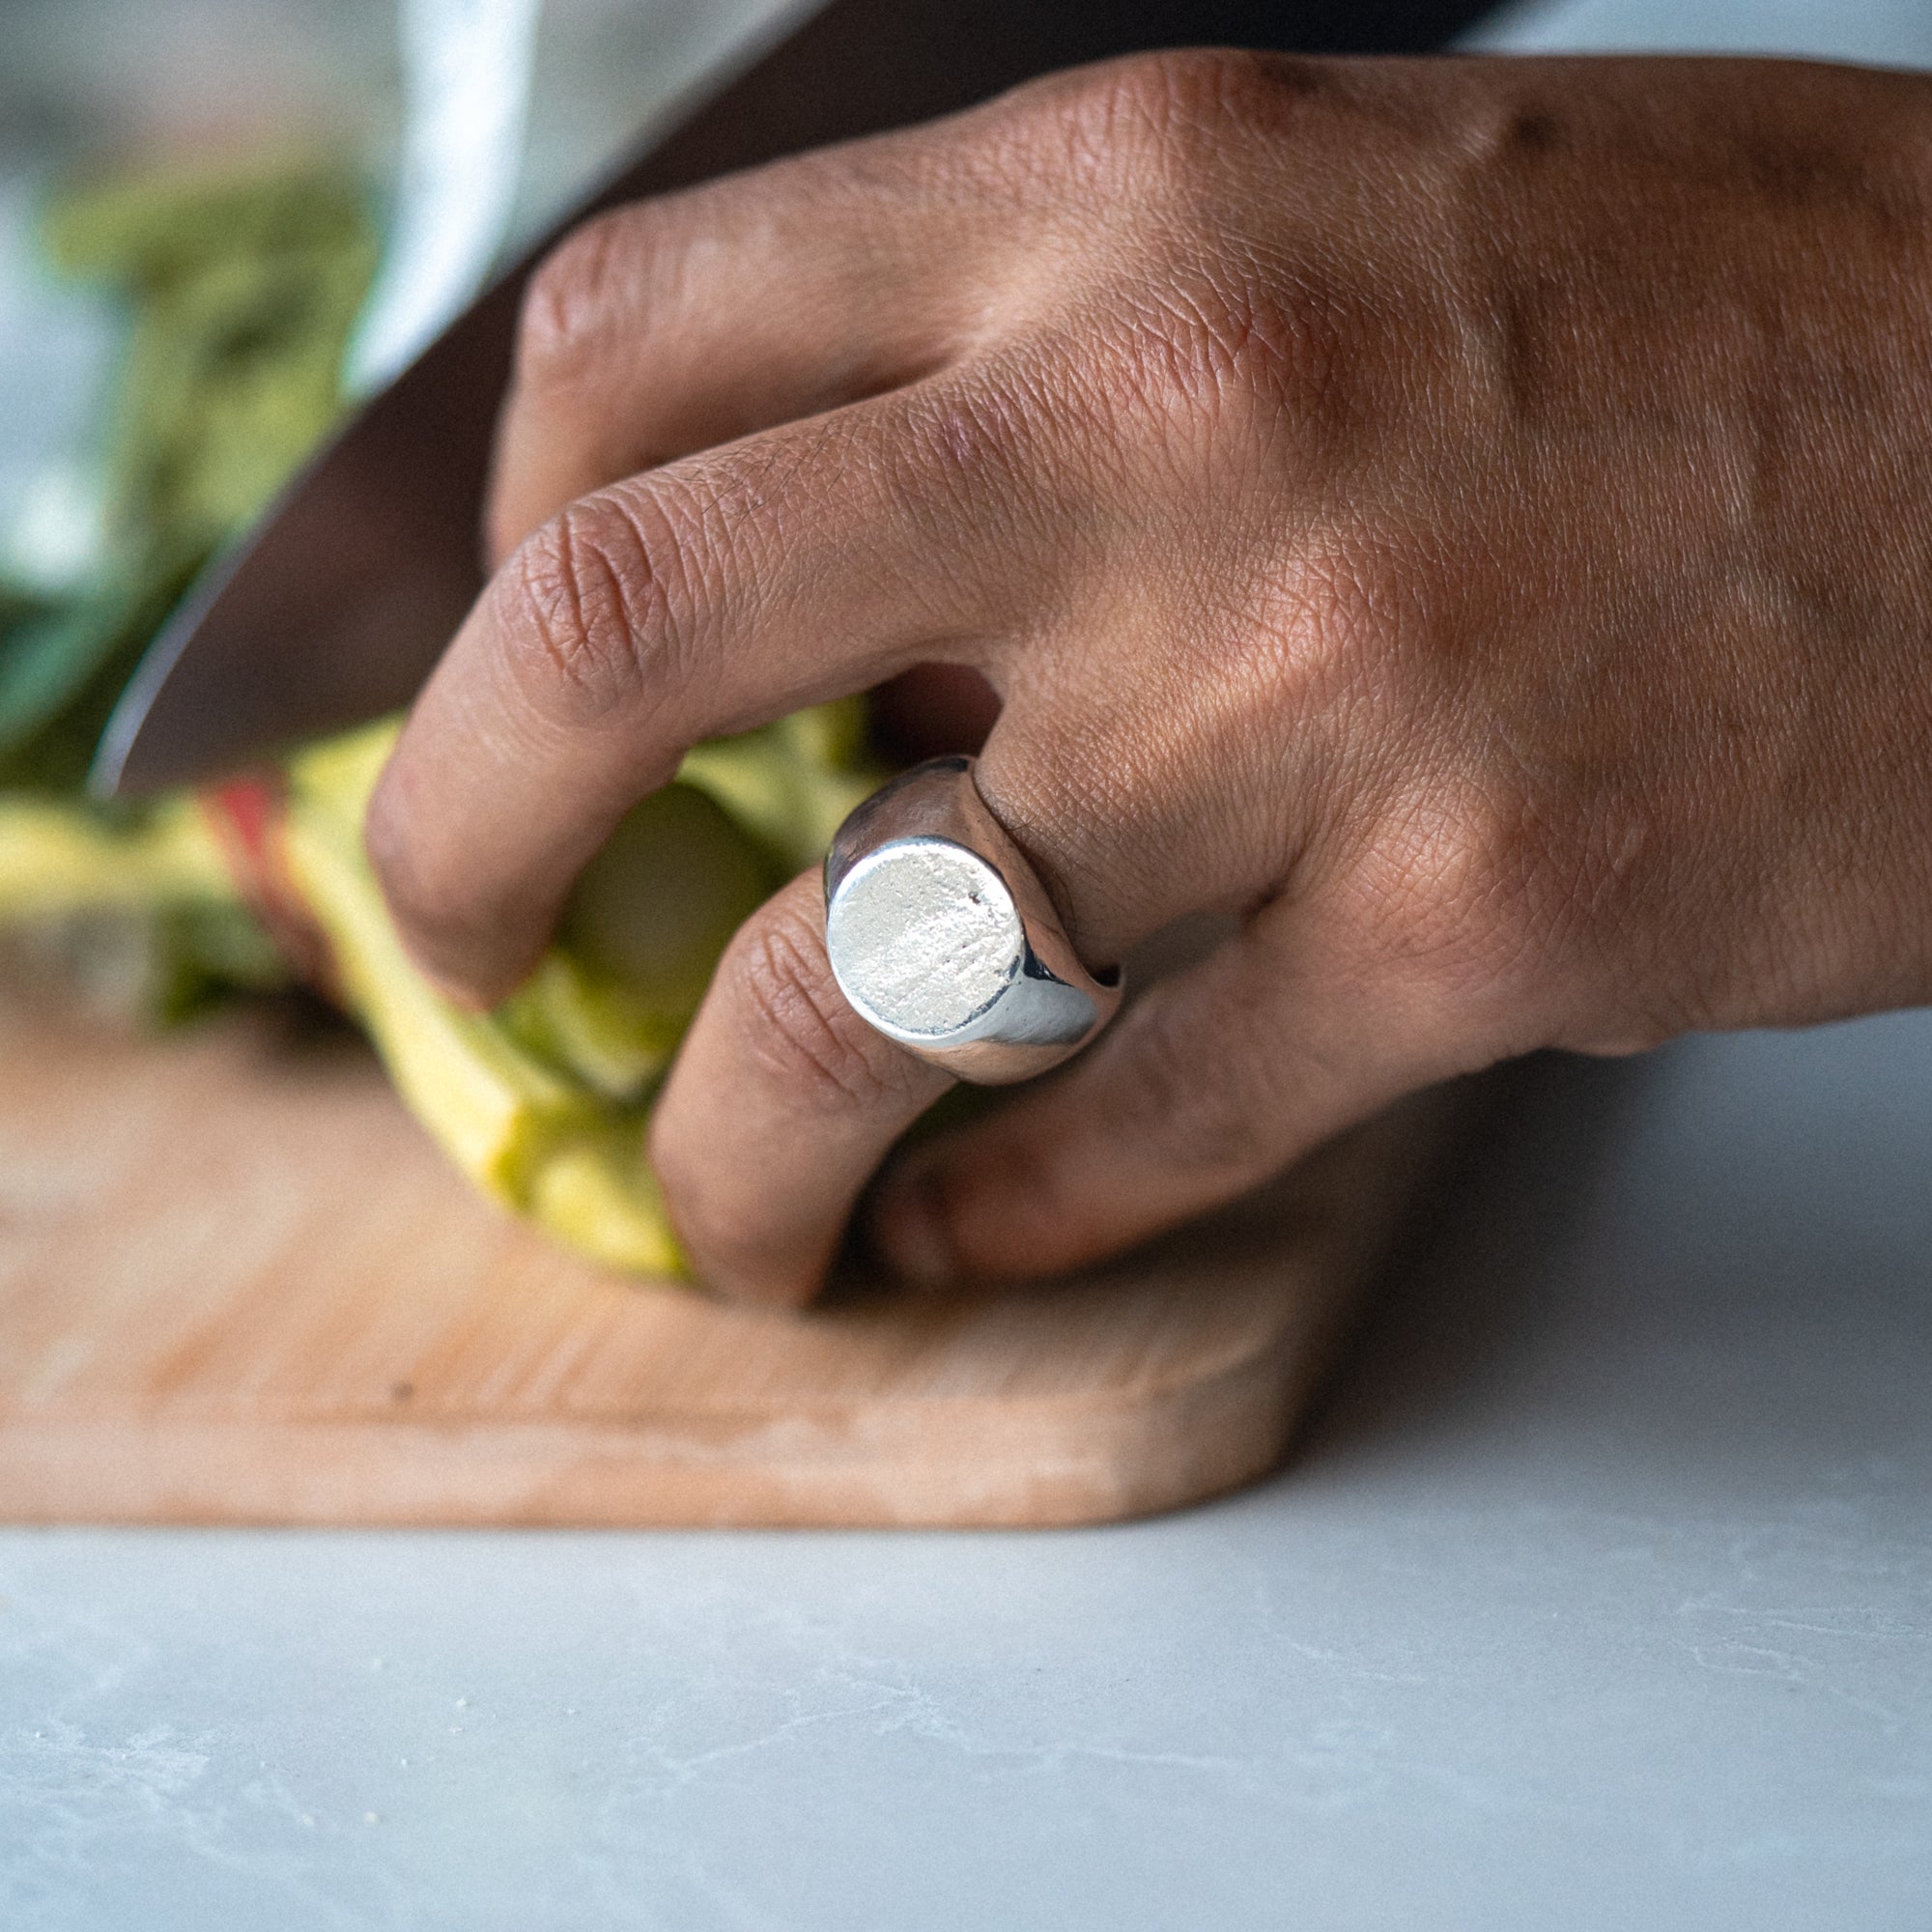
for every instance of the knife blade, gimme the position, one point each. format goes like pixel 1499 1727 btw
pixel 338 605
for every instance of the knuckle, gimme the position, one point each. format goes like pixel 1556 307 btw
pixel 1163 96
pixel 597 609
pixel 1445 901
pixel 800 1027
pixel 566 317
pixel 1498 927
pixel 1264 350
pixel 1231 319
pixel 1154 125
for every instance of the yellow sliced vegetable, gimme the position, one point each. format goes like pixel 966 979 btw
pixel 241 288
pixel 543 1103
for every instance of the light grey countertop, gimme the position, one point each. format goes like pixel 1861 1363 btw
pixel 1600 1598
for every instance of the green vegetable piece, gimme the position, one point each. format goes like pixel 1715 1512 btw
pixel 643 929
pixel 790 784
pixel 241 288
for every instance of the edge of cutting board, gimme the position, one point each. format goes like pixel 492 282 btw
pixel 238 1286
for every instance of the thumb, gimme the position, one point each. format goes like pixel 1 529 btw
pixel 1205 1087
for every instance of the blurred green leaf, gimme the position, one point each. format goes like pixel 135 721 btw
pixel 240 286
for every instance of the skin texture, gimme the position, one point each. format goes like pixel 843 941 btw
pixel 1470 521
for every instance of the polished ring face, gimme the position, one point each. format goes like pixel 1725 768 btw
pixel 942 937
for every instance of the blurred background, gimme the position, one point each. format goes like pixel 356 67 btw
pixel 468 124
pixel 458 129
pixel 221 221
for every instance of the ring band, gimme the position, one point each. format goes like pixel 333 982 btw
pixel 943 938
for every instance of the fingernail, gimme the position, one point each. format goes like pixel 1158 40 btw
pixel 910 1229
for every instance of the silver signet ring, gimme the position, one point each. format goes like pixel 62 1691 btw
pixel 943 938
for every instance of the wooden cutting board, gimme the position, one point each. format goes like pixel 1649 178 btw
pixel 238 1285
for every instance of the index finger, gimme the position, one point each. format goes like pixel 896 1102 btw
pixel 657 329
pixel 705 597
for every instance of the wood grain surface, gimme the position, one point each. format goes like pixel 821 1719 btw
pixel 237 1285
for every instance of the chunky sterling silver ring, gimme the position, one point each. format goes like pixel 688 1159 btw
pixel 943 938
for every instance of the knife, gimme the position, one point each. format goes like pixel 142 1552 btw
pixel 337 606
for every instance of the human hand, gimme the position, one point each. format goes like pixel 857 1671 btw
pixel 1470 519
